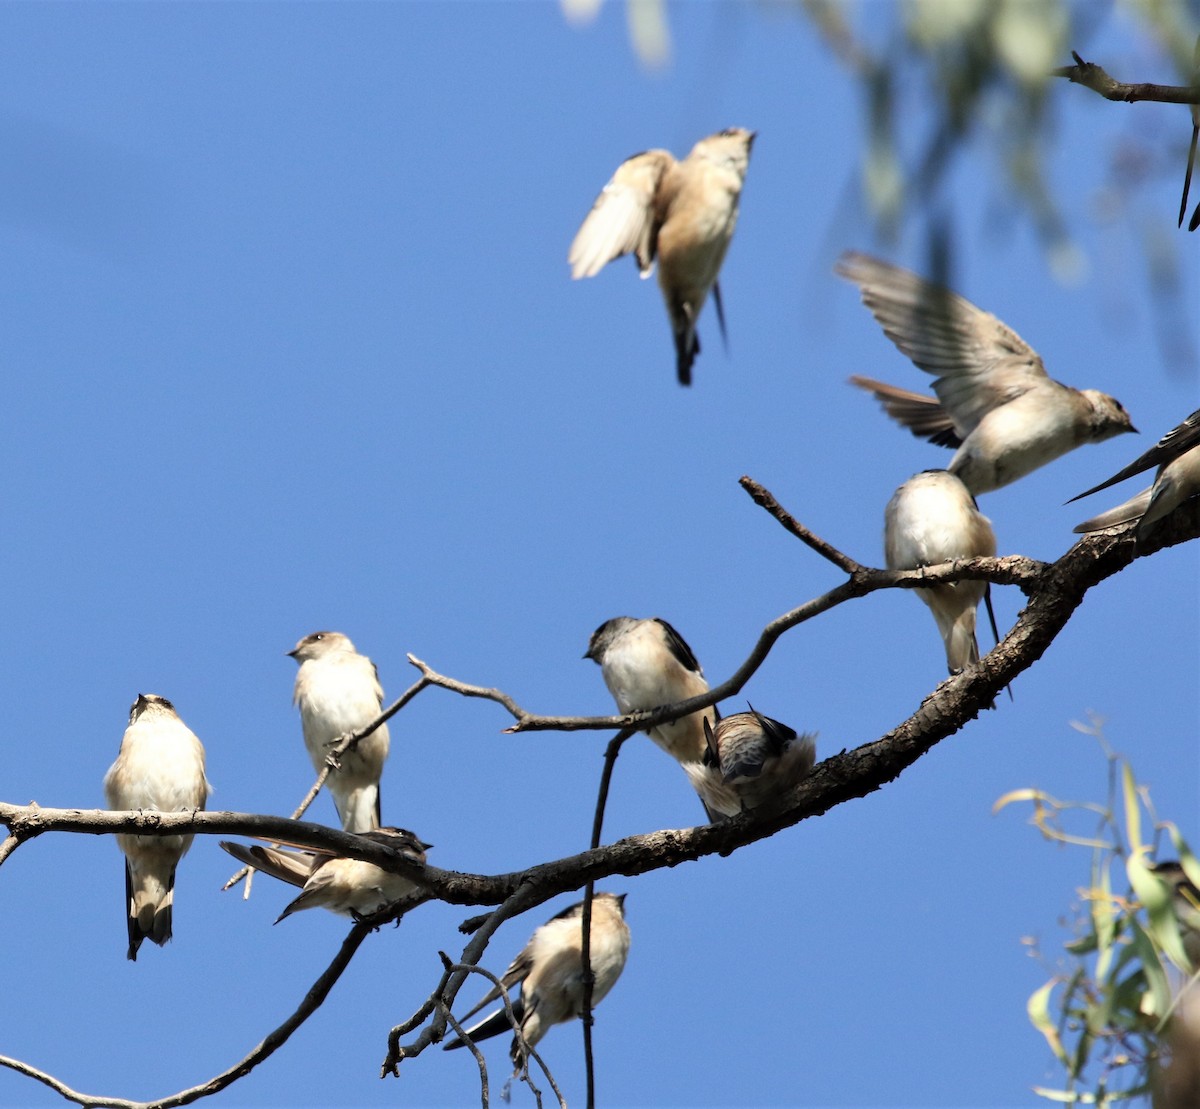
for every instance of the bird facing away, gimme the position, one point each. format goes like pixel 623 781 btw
pixel 348 887
pixel 338 691
pixel 749 758
pixel 684 213
pixel 647 664
pixel 932 518
pixel 995 402
pixel 550 971
pixel 160 767
pixel 1177 456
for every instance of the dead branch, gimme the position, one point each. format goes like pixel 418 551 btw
pixel 1094 77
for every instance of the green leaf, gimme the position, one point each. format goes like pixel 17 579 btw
pixel 1038 1008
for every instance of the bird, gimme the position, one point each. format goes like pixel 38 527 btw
pixel 348 887
pixel 337 691
pixel 749 758
pixel 1177 456
pixel 550 971
pixel 647 664
pixel 681 212
pixel 160 768
pixel 933 518
pixel 995 402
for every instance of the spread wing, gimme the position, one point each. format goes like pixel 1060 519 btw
pixel 622 220
pixel 978 361
pixel 1176 442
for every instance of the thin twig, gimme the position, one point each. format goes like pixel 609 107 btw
pixel 763 498
pixel 1094 77
pixel 10 844
pixel 274 1040
pixel 585 947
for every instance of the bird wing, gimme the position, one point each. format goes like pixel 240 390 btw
pixel 623 217
pixel 979 362
pixel 678 646
pixel 293 867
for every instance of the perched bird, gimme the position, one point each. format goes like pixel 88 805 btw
pixel 348 887
pixel 932 518
pixel 1177 456
pixel 1185 901
pixel 338 691
pixel 646 664
pixel 682 212
pixel 550 970
pixel 995 402
pixel 160 767
pixel 749 758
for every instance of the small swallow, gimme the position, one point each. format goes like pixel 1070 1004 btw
pixel 338 691
pixel 348 887
pixel 747 759
pixel 647 664
pixel 1177 456
pixel 550 970
pixel 932 518
pixel 682 212
pixel 160 768
pixel 995 402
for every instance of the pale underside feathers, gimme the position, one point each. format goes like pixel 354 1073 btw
pixel 337 692
pixel 160 767
pixel 932 518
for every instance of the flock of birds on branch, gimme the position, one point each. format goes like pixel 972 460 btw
pixel 995 406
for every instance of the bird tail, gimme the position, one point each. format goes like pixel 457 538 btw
pixel 923 415
pixel 1132 509
pixel 149 900
pixel 359 808
pixel 491 1025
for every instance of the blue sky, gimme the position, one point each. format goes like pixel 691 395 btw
pixel 291 344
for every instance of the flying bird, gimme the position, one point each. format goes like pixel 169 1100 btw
pixel 748 758
pixel 550 971
pixel 933 518
pixel 682 213
pixel 995 402
pixel 1177 456
pixel 160 767
pixel 348 887
pixel 647 664
pixel 337 691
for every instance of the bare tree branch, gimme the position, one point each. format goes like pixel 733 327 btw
pixel 763 497
pixel 1054 590
pixel 1094 77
